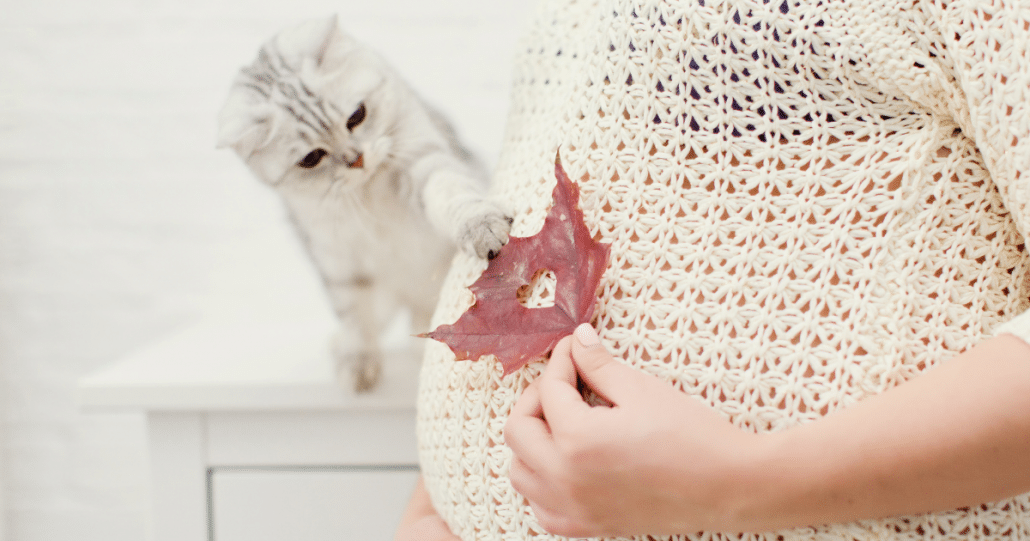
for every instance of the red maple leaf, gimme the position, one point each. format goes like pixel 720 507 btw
pixel 498 324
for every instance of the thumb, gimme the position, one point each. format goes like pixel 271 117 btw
pixel 612 380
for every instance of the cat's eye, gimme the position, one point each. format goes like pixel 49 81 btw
pixel 357 118
pixel 313 158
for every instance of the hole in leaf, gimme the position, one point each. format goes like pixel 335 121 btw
pixel 539 292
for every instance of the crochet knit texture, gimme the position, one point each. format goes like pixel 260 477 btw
pixel 808 202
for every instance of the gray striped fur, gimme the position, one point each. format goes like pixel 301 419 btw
pixel 386 202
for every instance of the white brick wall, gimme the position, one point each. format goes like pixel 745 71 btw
pixel 119 221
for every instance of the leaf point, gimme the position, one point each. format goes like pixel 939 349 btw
pixel 497 324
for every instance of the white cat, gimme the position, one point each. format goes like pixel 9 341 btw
pixel 375 181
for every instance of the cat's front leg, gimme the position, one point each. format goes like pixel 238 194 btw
pixel 455 202
pixel 355 345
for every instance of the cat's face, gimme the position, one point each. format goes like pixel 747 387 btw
pixel 309 112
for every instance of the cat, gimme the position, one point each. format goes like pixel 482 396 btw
pixel 375 181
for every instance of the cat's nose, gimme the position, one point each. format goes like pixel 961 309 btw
pixel 358 162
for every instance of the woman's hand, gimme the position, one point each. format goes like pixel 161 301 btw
pixel 421 522
pixel 660 462
pixel 656 461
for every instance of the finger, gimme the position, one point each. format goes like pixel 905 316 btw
pixel 520 468
pixel 530 440
pixel 560 366
pixel 524 480
pixel 562 404
pixel 528 404
pixel 612 380
pixel 556 519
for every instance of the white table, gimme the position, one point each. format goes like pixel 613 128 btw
pixel 250 437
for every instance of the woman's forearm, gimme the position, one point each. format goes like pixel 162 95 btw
pixel 658 461
pixel 957 435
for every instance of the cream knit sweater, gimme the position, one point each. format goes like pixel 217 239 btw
pixel 808 202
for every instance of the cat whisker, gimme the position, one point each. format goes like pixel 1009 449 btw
pixel 328 189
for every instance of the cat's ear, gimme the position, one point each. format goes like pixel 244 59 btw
pixel 243 125
pixel 308 41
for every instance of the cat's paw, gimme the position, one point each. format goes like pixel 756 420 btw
pixel 366 369
pixel 485 231
pixel 357 370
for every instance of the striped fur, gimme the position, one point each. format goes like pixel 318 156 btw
pixel 377 185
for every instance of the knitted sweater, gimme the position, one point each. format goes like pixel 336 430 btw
pixel 808 203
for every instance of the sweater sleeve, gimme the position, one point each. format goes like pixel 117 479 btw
pixel 989 45
pixel 988 42
pixel 967 60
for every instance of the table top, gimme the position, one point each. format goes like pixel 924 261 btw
pixel 249 364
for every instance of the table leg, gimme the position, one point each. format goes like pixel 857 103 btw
pixel 178 477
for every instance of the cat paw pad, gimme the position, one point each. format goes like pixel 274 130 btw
pixel 485 232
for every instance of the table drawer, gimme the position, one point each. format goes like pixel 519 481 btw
pixel 310 503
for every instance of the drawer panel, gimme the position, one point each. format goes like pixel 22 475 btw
pixel 312 438
pixel 311 504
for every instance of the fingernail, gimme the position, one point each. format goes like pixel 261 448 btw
pixel 586 335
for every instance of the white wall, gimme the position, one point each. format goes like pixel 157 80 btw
pixel 119 221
